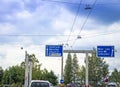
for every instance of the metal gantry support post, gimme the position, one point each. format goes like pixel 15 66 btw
pixel 86 52
pixel 62 68
pixel 87 79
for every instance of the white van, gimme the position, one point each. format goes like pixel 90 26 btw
pixel 111 84
pixel 39 83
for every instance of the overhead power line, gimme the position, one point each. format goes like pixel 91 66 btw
pixel 75 18
pixel 45 35
pixel 83 37
pixel 62 2
pixel 33 35
pixel 75 3
pixel 85 21
pixel 101 34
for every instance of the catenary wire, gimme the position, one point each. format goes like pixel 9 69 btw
pixel 33 35
pixel 74 3
pixel 85 21
pixel 75 18
pixel 47 35
pixel 84 36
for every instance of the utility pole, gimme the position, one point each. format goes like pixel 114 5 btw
pixel 86 52
pixel 26 70
pixel 30 71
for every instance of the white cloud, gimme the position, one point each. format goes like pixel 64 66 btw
pixel 63 20
pixel 7 28
pixel 24 15
pixel 12 55
pixel 22 40
pixel 60 20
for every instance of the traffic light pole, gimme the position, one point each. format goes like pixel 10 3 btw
pixel 86 52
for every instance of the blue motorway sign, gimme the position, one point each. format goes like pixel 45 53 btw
pixel 105 51
pixel 54 50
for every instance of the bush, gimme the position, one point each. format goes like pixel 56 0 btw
pixel 16 85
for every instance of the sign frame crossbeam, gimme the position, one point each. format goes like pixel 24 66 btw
pixel 78 51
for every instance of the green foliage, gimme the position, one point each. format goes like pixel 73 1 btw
pixel 82 75
pixel 75 64
pixel 15 75
pixel 115 76
pixel 98 69
pixel 6 75
pixel 71 71
pixel 68 74
pixel 16 85
pixel 75 68
pixel 1 75
pixel 50 76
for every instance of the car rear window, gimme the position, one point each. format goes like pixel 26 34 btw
pixel 111 85
pixel 39 84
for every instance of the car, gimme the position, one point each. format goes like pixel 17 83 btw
pixel 39 83
pixel 73 85
pixel 111 84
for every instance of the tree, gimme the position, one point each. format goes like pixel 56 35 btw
pixel 36 71
pixel 50 76
pixel 98 69
pixel 82 74
pixel 115 76
pixel 75 68
pixel 1 75
pixel 68 72
pixel 35 61
pixel 15 75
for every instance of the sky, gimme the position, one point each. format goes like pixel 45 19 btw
pixel 33 24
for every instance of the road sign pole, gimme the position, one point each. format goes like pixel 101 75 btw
pixel 55 51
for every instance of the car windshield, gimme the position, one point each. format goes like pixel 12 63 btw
pixel 39 84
